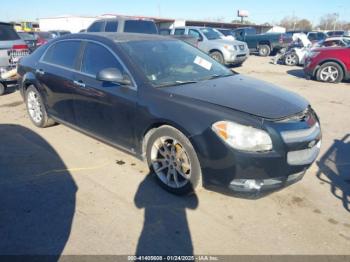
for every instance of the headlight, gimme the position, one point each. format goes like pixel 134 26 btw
pixel 230 47
pixel 245 138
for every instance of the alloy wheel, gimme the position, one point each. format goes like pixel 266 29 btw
pixel 34 107
pixel 329 74
pixel 171 162
pixel 291 59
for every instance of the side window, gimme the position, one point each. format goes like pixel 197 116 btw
pixel 195 34
pixel 164 31
pixel 179 31
pixel 97 58
pixel 96 27
pixel 63 53
pixel 320 36
pixel 111 26
pixel 312 37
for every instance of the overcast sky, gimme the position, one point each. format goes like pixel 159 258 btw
pixel 260 10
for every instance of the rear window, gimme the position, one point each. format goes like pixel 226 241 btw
pixel 140 26
pixel 63 53
pixel 7 33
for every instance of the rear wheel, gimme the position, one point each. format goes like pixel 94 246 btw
pixel 264 50
pixel 217 56
pixel 330 72
pixel 2 89
pixel 291 59
pixel 172 158
pixel 36 109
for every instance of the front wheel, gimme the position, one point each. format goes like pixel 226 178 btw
pixel 36 109
pixel 217 56
pixel 173 160
pixel 291 59
pixel 330 72
pixel 264 50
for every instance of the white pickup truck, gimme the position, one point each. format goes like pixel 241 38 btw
pixel 229 52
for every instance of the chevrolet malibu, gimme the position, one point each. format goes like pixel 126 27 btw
pixel 196 122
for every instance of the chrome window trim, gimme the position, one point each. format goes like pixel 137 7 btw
pixel 41 60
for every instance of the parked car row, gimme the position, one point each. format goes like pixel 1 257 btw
pixel 326 61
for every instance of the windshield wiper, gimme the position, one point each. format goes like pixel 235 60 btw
pixel 218 76
pixel 177 83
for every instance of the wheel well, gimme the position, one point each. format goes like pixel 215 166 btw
pixel 265 43
pixel 215 50
pixel 26 85
pixel 148 132
pixel 331 61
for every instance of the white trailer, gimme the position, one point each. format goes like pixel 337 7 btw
pixel 70 23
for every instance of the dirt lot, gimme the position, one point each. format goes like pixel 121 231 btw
pixel 63 192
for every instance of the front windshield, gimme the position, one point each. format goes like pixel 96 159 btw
pixel 210 33
pixel 171 62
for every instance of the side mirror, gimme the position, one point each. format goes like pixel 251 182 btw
pixel 112 75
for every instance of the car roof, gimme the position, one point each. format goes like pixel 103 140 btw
pixel 118 18
pixel 118 37
pixel 4 23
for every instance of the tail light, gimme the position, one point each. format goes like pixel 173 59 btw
pixel 41 41
pixel 20 47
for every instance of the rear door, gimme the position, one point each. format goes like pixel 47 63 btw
pixel 104 109
pixel 55 72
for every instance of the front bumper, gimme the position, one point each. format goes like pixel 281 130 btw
pixel 252 175
pixel 236 57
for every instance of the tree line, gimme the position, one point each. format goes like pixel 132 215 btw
pixel 327 22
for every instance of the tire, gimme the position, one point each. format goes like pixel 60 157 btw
pixel 264 50
pixel 2 89
pixel 217 56
pixel 36 108
pixel 291 59
pixel 173 160
pixel 330 72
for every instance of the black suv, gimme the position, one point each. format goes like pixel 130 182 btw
pixel 124 25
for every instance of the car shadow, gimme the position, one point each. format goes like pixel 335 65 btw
pixel 37 195
pixel 165 230
pixel 299 73
pixel 334 169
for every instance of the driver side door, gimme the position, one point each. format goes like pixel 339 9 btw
pixel 105 110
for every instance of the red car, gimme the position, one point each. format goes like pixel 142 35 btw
pixel 330 65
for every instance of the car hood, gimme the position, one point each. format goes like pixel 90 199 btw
pixel 244 94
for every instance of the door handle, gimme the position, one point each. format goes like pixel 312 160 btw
pixel 79 83
pixel 40 72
